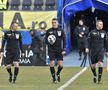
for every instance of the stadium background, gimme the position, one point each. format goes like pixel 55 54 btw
pixel 31 13
pixel 38 78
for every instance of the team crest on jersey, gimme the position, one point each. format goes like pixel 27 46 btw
pixel 94 33
pixel 8 35
pixel 59 33
pixel 50 32
pixel 17 36
pixel 102 35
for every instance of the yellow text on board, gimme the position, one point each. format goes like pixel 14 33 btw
pixel 3 4
pixel 25 18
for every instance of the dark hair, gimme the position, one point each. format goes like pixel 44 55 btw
pixel 81 20
pixel 13 25
pixel 55 19
pixel 99 21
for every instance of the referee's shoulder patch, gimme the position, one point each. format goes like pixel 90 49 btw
pixel 94 33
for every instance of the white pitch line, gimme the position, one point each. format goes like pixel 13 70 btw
pixel 72 79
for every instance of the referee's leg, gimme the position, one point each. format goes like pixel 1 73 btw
pixel 93 69
pixel 60 67
pixel 8 67
pixel 100 64
pixel 94 61
pixel 52 70
pixel 100 70
pixel 16 70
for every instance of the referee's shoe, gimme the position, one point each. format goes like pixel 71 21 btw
pixel 58 78
pixel 54 79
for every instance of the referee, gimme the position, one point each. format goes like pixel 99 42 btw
pixel 98 40
pixel 13 41
pixel 55 39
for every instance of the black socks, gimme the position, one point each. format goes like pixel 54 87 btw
pixel 100 71
pixel 52 70
pixel 9 71
pixel 59 70
pixel 16 71
pixel 94 71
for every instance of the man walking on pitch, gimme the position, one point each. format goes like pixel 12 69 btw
pixel 13 41
pixel 55 39
pixel 98 40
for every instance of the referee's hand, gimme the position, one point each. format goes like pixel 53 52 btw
pixel 1 54
pixel 106 54
pixel 80 35
pixel 87 50
pixel 63 53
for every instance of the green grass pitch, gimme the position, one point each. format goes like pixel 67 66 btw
pixel 39 78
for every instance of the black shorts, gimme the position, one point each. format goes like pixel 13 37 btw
pixel 55 56
pixel 12 57
pixel 97 55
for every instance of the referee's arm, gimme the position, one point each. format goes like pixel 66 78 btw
pixel 64 40
pixel 106 42
pixel 46 36
pixel 87 42
pixel 3 42
pixel 89 39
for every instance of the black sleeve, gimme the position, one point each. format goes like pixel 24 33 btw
pixel 20 42
pixel 64 40
pixel 86 43
pixel 88 40
pixel 86 31
pixel 3 42
pixel 46 36
pixel 106 42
